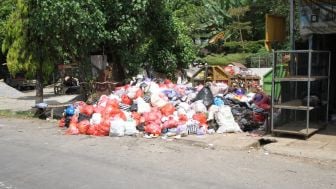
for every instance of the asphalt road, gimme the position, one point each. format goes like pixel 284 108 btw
pixel 35 155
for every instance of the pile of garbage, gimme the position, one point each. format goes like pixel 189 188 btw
pixel 160 107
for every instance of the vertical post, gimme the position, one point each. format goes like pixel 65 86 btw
pixel 292 24
pixel 308 90
pixel 272 91
pixel 328 91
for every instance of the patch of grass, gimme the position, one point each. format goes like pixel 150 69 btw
pixel 18 114
pixel 219 59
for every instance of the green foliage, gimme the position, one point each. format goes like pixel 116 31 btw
pixel 237 47
pixel 258 10
pixel 6 7
pixel 220 59
pixel 45 33
pixel 170 46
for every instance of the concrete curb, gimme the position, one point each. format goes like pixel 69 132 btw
pixel 222 142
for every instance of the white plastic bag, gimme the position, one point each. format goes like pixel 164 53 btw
pixel 130 127
pixel 213 110
pixel 157 101
pixel 184 106
pixel 117 128
pixel 96 119
pixel 199 107
pixel 132 91
pixel 225 120
pixel 143 106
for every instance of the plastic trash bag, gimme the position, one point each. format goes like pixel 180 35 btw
pixel 70 110
pixel 72 130
pixel 153 128
pixel 143 107
pixel 212 111
pixel 218 101
pixel 96 119
pixel 126 100
pixel 199 107
pixel 61 122
pixel 168 109
pixel 130 127
pixel 184 106
pixel 201 118
pixel 134 107
pixel 132 92
pixel 170 123
pixel 225 120
pixel 83 126
pixel 206 96
pixel 117 128
pixel 92 130
pixel 157 101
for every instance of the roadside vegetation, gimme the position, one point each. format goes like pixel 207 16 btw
pixel 17 114
pixel 162 35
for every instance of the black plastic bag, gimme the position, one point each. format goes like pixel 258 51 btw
pixel 82 117
pixel 206 96
pixel 141 127
pixel 134 107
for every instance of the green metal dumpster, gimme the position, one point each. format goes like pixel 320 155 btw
pixel 267 86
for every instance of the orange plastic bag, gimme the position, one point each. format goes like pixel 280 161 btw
pixel 168 109
pixel 61 122
pixel 138 94
pixel 72 130
pixel 200 117
pixel 91 130
pixel 74 119
pixel 126 100
pixel 170 123
pixel 113 103
pixel 87 110
pixel 83 126
pixel 183 119
pixel 153 128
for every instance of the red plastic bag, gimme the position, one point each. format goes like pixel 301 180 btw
pixel 136 116
pixel 183 118
pixel 113 103
pixel 168 109
pixel 72 130
pixel 61 122
pixel 126 100
pixel 98 109
pixel 153 128
pixel 83 126
pixel 258 117
pixel 200 117
pixel 74 119
pixel 102 130
pixel 138 94
pixel 170 123
pixel 87 110
pixel 92 130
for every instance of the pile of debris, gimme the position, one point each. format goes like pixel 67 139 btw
pixel 160 107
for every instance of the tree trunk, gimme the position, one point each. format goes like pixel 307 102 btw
pixel 39 84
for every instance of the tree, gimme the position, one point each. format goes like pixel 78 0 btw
pixel 237 24
pixel 258 10
pixel 6 7
pixel 41 34
pixel 144 33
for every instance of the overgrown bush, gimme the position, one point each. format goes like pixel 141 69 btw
pixel 236 47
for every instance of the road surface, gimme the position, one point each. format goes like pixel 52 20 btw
pixel 36 155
